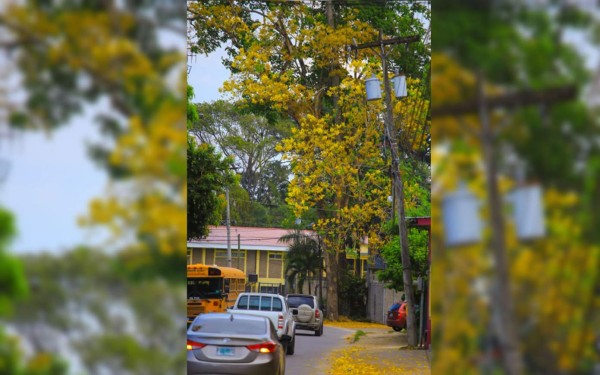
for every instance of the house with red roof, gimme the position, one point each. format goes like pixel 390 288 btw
pixel 256 251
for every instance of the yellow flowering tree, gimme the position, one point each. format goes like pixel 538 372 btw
pixel 295 60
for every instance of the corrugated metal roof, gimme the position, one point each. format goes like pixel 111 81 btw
pixel 250 237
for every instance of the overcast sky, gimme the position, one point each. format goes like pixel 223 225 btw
pixel 207 75
pixel 51 179
pixel 49 184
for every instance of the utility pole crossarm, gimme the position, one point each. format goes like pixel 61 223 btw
pixel 387 42
pixel 509 101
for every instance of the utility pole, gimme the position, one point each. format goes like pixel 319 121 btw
pixel 503 310
pixel 239 251
pixel 411 327
pixel 228 222
pixel 320 270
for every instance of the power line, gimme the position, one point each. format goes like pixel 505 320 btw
pixel 349 3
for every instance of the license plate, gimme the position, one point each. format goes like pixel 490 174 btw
pixel 225 351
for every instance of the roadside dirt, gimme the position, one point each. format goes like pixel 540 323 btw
pixel 379 351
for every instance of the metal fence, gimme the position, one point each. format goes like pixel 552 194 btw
pixel 379 299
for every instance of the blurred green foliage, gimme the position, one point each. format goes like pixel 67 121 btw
pixel 107 318
pixel 518 46
pixel 126 62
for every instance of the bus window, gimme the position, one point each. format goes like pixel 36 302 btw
pixel 227 281
pixel 198 288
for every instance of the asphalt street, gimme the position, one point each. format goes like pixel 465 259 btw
pixel 312 351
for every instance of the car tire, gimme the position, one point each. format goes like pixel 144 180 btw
pixel 319 331
pixel 305 313
pixel 291 348
pixel 397 329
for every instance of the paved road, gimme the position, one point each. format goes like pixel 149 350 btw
pixel 312 352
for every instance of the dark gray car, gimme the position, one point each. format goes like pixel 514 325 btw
pixel 227 343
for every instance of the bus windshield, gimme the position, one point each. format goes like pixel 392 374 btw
pixel 204 287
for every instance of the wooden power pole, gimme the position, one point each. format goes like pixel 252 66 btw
pixel 411 325
pixel 503 307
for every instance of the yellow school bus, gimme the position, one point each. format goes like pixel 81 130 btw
pixel 212 288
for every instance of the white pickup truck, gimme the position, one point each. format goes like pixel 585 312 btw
pixel 272 306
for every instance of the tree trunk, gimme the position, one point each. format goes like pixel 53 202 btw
pixel 332 255
pixel 331 267
pixel 301 285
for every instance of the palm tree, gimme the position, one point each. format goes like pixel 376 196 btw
pixel 302 260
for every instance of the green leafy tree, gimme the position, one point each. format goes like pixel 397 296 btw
pixel 250 140
pixel 419 258
pixel 208 173
pixel 302 261
pixel 418 204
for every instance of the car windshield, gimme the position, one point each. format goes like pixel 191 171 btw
pixel 395 306
pixel 295 301
pixel 204 287
pixel 229 324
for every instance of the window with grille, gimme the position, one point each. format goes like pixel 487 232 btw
pixel 221 258
pixel 275 265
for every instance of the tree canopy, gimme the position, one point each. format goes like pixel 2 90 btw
pixel 250 140
pixel 208 174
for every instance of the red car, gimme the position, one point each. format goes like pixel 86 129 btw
pixel 396 316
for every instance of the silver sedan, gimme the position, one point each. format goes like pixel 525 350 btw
pixel 227 343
